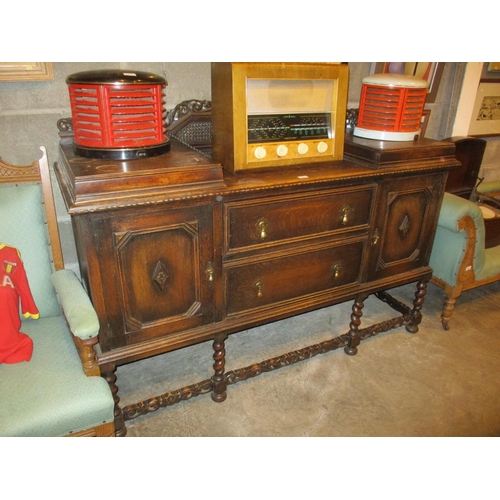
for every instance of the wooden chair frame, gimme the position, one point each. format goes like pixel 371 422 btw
pixel 39 171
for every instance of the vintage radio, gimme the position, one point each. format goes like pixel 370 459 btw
pixel 269 115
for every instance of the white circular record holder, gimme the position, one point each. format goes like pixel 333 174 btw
pixel 391 107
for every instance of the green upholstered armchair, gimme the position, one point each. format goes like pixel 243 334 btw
pixel 59 391
pixel 459 258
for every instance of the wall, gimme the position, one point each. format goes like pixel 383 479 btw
pixel 29 111
pixel 490 166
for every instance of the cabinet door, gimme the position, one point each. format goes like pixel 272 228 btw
pixel 405 223
pixel 157 273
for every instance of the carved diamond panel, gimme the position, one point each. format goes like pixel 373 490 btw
pixel 160 276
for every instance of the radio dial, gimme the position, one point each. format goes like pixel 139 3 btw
pixel 322 147
pixel 260 153
pixel 282 150
pixel 303 148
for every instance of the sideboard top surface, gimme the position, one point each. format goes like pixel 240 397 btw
pixel 183 173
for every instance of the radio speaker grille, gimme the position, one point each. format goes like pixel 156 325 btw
pixel 107 117
pixel 391 109
pixel 118 115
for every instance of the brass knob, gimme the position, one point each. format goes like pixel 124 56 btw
pixel 262 226
pixel 336 270
pixel 210 272
pixel 376 238
pixel 344 212
pixel 258 285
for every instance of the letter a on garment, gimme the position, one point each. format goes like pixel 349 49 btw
pixel 14 287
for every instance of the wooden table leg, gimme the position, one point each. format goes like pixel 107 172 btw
pixel 354 335
pixel 416 313
pixel 219 393
pixel 108 372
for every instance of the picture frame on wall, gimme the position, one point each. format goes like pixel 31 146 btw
pixel 491 72
pixel 19 71
pixel 485 118
pixel 426 113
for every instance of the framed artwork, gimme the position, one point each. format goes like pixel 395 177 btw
pixel 424 122
pixel 18 71
pixel 485 119
pixel 491 72
pixel 429 71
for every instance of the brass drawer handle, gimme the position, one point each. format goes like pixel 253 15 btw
pixel 336 268
pixel 210 272
pixel 258 285
pixel 262 226
pixel 344 212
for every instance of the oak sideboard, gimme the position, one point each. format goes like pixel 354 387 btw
pixel 175 251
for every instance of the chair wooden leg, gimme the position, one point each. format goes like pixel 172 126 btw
pixel 104 430
pixel 451 295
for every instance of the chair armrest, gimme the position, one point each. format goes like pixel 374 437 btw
pixel 75 303
pixel 455 208
pixel 458 249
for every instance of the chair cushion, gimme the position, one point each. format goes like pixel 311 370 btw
pixel 488 187
pixel 22 225
pixel 492 264
pixel 51 395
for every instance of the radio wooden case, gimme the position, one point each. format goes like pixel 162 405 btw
pixel 271 115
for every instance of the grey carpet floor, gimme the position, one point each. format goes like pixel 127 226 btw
pixel 433 383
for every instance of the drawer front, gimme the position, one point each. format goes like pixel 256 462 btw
pixel 272 220
pixel 276 280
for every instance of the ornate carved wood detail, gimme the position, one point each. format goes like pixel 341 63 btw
pixel 186 107
pixel 190 122
pixel 10 173
pixel 232 377
pixel 121 238
pixel 418 303
pixel 287 359
pixel 86 352
pixel 160 276
pixel 153 268
pixel 219 393
pixel 65 125
pixel 404 227
pixel 354 335
pixel 168 399
pixel 466 270
pixel 351 118
pixel 108 372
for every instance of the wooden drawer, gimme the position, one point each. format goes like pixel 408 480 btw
pixel 273 220
pixel 302 273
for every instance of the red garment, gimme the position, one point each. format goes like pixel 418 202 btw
pixel 14 345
